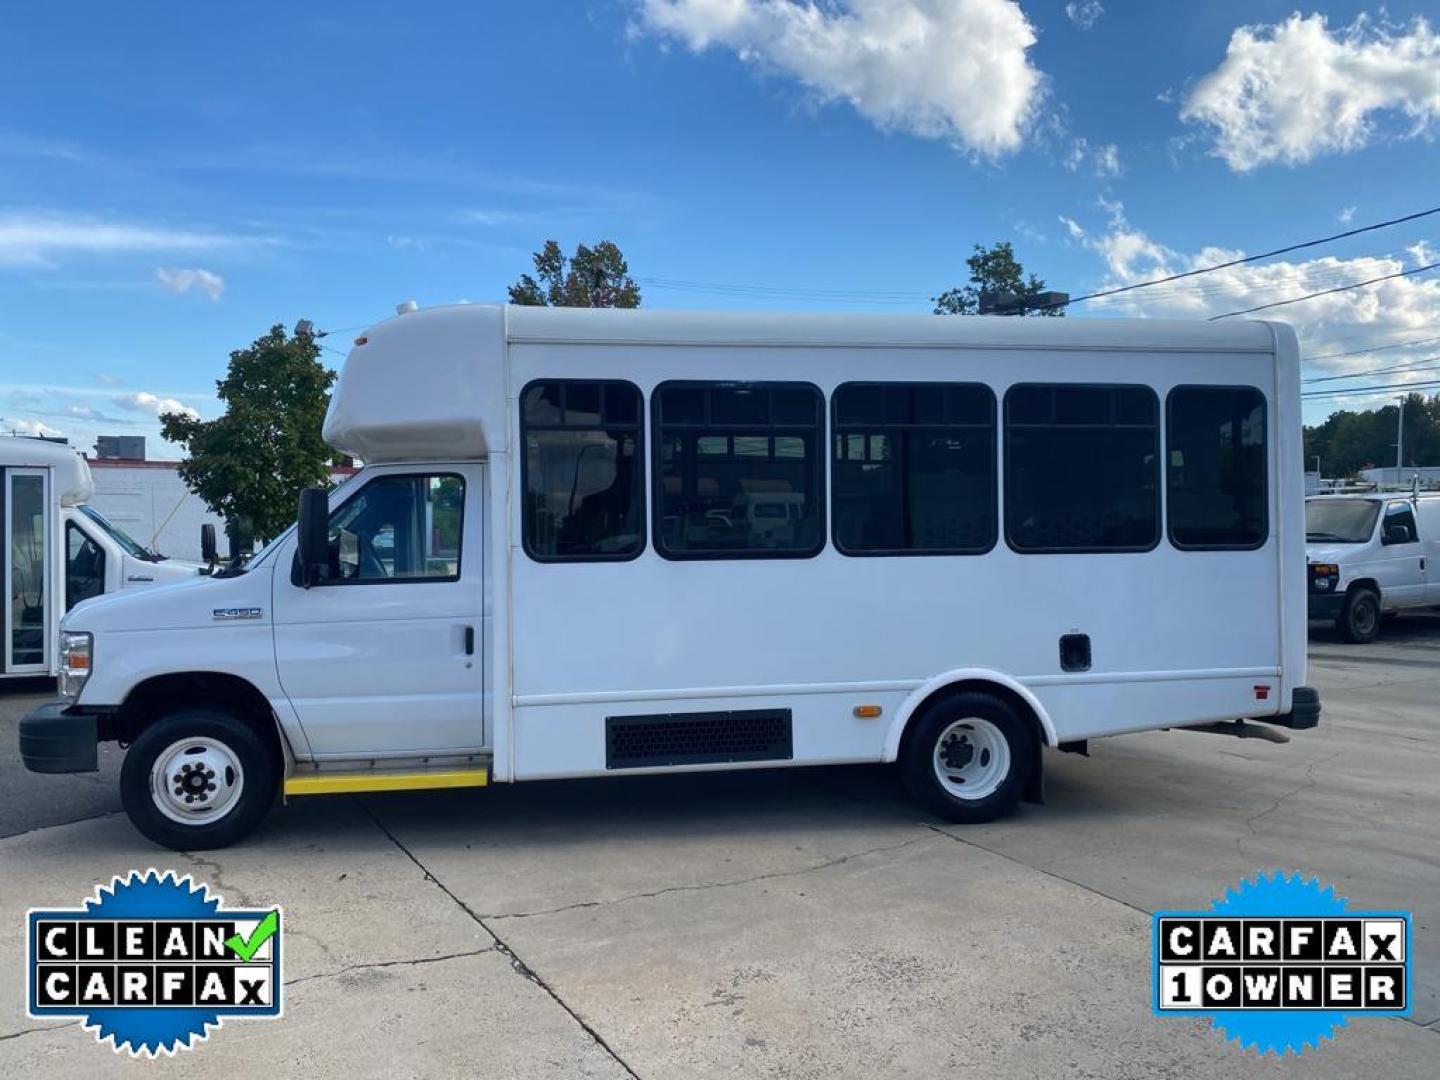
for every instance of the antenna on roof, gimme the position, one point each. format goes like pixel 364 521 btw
pixel 406 306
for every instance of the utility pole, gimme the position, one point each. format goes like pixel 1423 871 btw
pixel 1400 442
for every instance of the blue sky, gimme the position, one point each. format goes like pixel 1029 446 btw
pixel 175 179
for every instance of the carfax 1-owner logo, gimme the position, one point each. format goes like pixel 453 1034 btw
pixel 151 963
pixel 1280 963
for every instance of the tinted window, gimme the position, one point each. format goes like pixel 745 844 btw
pixel 1082 470
pixel 738 470
pixel 1216 468
pixel 84 567
pixel 914 468
pixel 399 528
pixel 583 493
pixel 1398 516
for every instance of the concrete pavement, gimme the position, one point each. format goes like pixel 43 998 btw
pixel 782 924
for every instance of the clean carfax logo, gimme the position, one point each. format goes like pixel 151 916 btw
pixel 151 963
pixel 1279 963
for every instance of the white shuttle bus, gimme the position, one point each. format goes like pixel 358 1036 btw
pixel 591 543
pixel 58 551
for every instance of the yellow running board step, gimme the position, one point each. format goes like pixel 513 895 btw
pixel 338 783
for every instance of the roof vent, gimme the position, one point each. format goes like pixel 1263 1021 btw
pixel 406 307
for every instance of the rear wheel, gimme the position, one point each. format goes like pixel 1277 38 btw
pixel 968 757
pixel 1359 621
pixel 198 779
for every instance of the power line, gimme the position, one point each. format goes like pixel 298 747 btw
pixel 1428 384
pixel 1327 292
pixel 1376 348
pixel 1252 258
pixel 1414 365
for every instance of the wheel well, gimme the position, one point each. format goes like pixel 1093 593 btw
pixel 1035 789
pixel 1363 583
pixel 153 698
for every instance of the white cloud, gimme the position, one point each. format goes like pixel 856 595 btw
pixel 153 405
pixel 941 69
pixel 1391 311
pixel 1107 160
pixel 1296 90
pixel 1084 13
pixel 1346 215
pixel 1104 160
pixel 31 427
pixel 37 239
pixel 178 280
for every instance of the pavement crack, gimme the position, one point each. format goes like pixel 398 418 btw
pixel 1038 869
pixel 1308 782
pixel 216 883
pixel 827 864
pixel 516 963
pixel 388 963
pixel 35 1030
pixel 60 824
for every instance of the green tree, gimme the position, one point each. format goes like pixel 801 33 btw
pixel 992 269
pixel 1348 441
pixel 252 462
pixel 592 277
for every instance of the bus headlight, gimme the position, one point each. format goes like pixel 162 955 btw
pixel 74 663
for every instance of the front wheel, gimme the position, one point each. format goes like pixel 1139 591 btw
pixel 968 758
pixel 1359 621
pixel 198 779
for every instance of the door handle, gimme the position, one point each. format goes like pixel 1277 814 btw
pixel 469 641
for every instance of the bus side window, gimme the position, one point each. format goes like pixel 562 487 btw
pixel 84 567
pixel 739 470
pixel 1215 478
pixel 914 468
pixel 1082 468
pixel 583 470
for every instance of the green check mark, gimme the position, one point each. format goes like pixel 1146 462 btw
pixel 246 948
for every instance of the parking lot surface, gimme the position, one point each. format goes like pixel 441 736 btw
pixel 791 923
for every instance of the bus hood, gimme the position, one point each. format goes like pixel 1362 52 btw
pixel 191 602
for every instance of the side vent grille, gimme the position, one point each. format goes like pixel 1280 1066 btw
pixel 701 738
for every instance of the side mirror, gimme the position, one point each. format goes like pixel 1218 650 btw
pixel 209 552
pixel 1397 534
pixel 313 531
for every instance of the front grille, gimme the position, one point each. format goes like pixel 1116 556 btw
pixel 700 738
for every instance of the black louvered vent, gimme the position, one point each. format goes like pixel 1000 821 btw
pixel 700 738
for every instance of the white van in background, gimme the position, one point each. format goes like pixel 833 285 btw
pixel 58 551
pixel 1370 555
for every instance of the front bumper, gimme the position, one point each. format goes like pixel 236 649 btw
pixel 1325 605
pixel 1304 711
pixel 55 739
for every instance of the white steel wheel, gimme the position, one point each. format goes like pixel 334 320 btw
pixel 196 781
pixel 971 759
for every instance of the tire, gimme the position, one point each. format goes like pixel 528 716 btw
pixel 1359 621
pixel 996 766
pixel 227 773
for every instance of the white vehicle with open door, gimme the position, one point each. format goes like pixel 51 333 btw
pixel 58 551
pixel 600 543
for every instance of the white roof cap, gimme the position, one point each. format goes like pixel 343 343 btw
pixel 73 481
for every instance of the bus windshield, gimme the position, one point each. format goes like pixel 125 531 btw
pixel 120 536
pixel 1340 521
